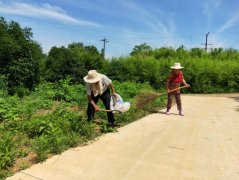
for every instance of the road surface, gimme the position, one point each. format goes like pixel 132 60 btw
pixel 204 144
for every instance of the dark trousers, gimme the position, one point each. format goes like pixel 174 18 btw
pixel 105 97
pixel 178 101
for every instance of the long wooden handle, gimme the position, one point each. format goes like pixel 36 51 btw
pixel 177 88
pixel 107 110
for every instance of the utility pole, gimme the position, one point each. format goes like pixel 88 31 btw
pixel 105 41
pixel 206 44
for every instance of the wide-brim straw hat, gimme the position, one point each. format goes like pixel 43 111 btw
pixel 92 77
pixel 176 66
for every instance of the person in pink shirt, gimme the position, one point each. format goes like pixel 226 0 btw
pixel 174 80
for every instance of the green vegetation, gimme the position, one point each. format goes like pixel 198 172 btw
pixel 204 74
pixel 43 97
pixel 52 119
pixel 19 56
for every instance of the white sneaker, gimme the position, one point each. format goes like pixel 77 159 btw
pixel 181 113
pixel 167 112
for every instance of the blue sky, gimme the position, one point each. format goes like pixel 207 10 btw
pixel 126 23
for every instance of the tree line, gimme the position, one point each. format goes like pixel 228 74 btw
pixel 24 65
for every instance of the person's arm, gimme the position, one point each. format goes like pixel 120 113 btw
pixel 88 89
pixel 97 109
pixel 167 82
pixel 167 85
pixel 109 83
pixel 111 86
pixel 185 83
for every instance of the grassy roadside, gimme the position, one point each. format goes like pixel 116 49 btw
pixel 52 119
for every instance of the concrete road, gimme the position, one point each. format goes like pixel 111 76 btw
pixel 204 144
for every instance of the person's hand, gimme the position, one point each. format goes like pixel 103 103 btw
pixel 114 94
pixel 168 91
pixel 97 109
pixel 187 85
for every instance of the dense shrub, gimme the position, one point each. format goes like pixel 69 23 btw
pixel 205 75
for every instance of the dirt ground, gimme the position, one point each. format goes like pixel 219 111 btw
pixel 203 144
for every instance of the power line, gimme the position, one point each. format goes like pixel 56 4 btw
pixel 225 32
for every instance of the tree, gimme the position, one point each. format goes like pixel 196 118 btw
pixel 61 63
pixel 216 52
pixel 164 52
pixel 231 54
pixel 89 55
pixel 19 55
pixel 74 61
pixel 197 52
pixel 141 50
pixel 181 52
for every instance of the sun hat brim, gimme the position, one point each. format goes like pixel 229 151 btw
pixel 94 80
pixel 173 67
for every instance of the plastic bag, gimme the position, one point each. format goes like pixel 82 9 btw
pixel 117 103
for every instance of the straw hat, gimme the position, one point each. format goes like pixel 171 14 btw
pixel 176 66
pixel 92 77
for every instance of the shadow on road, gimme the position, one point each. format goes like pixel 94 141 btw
pixel 163 112
pixel 235 98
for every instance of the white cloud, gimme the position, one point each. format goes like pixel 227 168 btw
pixel 210 6
pixel 94 5
pixel 43 11
pixel 234 20
pixel 151 20
pixel 210 9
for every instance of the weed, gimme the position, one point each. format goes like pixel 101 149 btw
pixel 7 150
